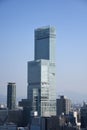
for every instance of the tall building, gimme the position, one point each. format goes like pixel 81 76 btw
pixel 63 105
pixel 11 95
pixel 45 39
pixel 41 73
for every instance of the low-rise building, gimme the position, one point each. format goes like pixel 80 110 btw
pixel 8 127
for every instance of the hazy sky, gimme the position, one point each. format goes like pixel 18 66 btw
pixel 19 18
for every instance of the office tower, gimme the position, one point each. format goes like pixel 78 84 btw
pixel 11 95
pixel 63 105
pixel 41 73
pixel 45 39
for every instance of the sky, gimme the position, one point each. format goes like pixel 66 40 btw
pixel 19 18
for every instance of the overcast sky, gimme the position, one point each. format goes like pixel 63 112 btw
pixel 19 18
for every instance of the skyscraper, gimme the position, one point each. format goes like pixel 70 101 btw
pixel 63 105
pixel 41 73
pixel 45 39
pixel 11 95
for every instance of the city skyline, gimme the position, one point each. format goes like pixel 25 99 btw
pixel 17 23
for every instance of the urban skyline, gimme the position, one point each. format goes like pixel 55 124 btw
pixel 16 43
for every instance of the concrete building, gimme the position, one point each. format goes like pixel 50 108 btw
pixel 63 105
pixel 3 116
pixel 25 104
pixel 41 73
pixel 13 116
pixel 50 123
pixel 8 127
pixel 83 112
pixel 11 96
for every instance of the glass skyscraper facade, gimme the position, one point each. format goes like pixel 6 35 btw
pixel 45 39
pixel 41 73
